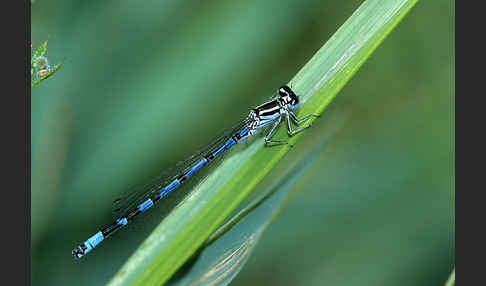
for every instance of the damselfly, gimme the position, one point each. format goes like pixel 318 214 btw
pixel 280 106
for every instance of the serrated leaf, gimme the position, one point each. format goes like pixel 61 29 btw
pixel 41 51
pixel 47 74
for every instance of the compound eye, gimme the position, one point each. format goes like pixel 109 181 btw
pixel 282 92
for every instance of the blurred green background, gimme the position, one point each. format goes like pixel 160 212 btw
pixel 145 83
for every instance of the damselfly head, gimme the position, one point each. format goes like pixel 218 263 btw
pixel 289 96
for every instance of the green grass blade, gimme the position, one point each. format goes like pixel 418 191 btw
pixel 452 279
pixel 229 247
pixel 186 228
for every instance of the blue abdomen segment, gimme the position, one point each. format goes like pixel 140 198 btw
pixel 243 134
pixel 243 131
pixel 145 205
pixel 95 239
pixel 92 242
pixel 228 144
pixel 174 184
pixel 122 221
pixel 196 167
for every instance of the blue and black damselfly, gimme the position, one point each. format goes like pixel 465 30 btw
pixel 281 106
